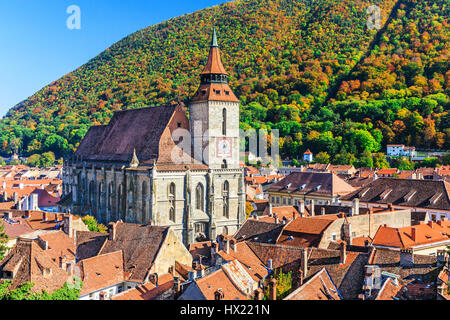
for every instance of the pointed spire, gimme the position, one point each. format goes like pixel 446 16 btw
pixel 214 39
pixel 214 64
pixel 134 161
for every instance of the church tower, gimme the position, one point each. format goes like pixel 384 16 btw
pixel 214 115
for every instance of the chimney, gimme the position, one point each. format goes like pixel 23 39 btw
pixel 347 228
pixel 269 264
pixel 304 262
pixel 227 246
pixel 214 249
pixel 68 225
pixel 406 258
pixel 5 196
pixel 112 231
pixel 154 279
pixel 300 278
pixel 270 209
pixel 233 245
pixel 16 197
pixel 63 262
pixel 70 268
pixel 21 186
pixel 440 289
pixel 355 207
pixel 218 295
pixel 276 218
pixel 313 212
pixel 273 289
pixel 176 286
pixel 343 253
pixel 302 207
pixel 414 232
pixel 259 294
pixel 322 211
pixel 43 244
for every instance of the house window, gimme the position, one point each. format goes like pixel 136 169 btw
pixel 290 201
pixel 333 237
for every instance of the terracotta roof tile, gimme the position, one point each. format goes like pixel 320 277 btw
pixel 319 287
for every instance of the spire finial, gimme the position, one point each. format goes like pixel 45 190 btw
pixel 134 161
pixel 214 39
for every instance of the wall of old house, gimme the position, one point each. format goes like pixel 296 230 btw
pixel 366 225
pixel 172 250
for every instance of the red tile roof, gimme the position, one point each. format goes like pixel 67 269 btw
pixel 319 287
pixel 409 237
pixel 147 291
pixel 101 271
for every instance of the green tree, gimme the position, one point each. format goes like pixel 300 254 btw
pixel 3 241
pixel 403 164
pixel 344 158
pixel 284 284
pixel 446 159
pixel 322 157
pixel 24 292
pixel 14 162
pixel 47 159
pixel 2 162
pixel 379 160
pixel 93 225
pixel 34 160
pixel 366 160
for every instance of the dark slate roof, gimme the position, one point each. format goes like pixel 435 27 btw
pixel 138 129
pixel 402 193
pixel 258 231
pixel 389 260
pixel 348 277
pixel 419 280
pixel 329 183
pixel 140 244
pixel 89 244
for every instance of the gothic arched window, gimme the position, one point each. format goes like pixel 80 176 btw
pixel 92 195
pixel 110 196
pixel 144 202
pixel 199 197
pixel 172 202
pixel 224 121
pixel 226 199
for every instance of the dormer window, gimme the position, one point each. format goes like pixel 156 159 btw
pixel 203 92
pixel 227 92
pixel 435 198
pixel 385 193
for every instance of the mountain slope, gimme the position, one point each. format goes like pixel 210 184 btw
pixel 285 57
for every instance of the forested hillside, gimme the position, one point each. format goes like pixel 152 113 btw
pixel 310 68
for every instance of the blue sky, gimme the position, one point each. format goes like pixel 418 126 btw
pixel 36 47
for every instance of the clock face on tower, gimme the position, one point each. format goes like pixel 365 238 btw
pixel 223 147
